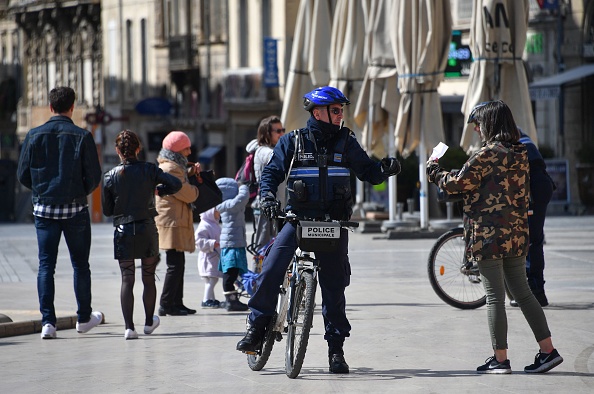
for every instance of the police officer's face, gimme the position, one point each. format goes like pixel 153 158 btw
pixel 336 114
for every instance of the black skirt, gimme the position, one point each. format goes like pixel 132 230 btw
pixel 136 240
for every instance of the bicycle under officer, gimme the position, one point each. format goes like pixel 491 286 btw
pixel 317 161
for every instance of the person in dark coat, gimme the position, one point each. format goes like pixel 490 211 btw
pixel 129 196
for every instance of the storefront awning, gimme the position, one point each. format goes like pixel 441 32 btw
pixel 205 156
pixel 550 87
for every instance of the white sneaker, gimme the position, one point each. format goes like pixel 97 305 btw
pixel 149 329
pixel 96 319
pixel 130 334
pixel 48 331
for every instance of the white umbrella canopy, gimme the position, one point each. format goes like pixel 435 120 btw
pixel 347 51
pixel 422 35
pixel 497 39
pixel 376 108
pixel 309 66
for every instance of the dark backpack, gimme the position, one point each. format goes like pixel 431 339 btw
pixel 247 175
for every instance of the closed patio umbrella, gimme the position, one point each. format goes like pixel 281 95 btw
pixel 309 66
pixel 376 109
pixel 422 34
pixel 347 52
pixel 497 39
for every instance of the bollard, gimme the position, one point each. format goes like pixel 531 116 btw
pixel 399 209
pixel 411 205
pixel 449 210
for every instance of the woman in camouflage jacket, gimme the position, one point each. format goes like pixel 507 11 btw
pixel 496 187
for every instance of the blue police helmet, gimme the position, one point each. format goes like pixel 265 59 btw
pixel 473 113
pixel 323 96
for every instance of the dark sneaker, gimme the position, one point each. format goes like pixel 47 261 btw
pixel 514 303
pixel 493 366
pixel 252 341
pixel 209 304
pixel 337 364
pixel 544 362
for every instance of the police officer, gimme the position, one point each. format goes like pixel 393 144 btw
pixel 541 192
pixel 316 160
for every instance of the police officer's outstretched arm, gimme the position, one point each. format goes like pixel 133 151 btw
pixel 367 169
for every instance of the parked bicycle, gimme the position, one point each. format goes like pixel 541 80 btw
pixel 455 279
pixel 296 300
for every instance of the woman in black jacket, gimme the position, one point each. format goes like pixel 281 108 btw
pixel 129 196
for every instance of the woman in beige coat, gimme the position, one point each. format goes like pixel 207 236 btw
pixel 175 221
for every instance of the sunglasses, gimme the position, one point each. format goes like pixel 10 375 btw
pixel 279 131
pixel 336 111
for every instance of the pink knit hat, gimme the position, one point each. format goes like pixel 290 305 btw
pixel 176 141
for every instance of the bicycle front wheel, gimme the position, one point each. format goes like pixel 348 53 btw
pixel 451 280
pixel 257 361
pixel 302 311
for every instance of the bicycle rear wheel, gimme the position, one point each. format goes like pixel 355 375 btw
pixel 298 332
pixel 257 361
pixel 451 281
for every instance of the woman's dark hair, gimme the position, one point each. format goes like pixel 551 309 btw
pixel 61 99
pixel 127 143
pixel 265 129
pixel 497 122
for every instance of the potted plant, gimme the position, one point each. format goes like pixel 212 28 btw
pixel 585 173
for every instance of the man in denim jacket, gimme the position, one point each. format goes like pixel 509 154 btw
pixel 59 163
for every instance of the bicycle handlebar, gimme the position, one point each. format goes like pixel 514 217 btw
pixel 291 217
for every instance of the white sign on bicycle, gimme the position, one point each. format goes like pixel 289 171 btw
pixel 318 231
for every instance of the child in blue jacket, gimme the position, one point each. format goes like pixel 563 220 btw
pixel 233 262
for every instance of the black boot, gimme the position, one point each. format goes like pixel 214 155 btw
pixel 337 363
pixel 336 357
pixel 233 303
pixel 252 341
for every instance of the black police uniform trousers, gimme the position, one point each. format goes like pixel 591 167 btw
pixel 334 277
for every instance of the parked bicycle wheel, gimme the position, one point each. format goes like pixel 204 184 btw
pixel 298 332
pixel 257 361
pixel 453 279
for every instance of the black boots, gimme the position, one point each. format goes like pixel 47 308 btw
pixel 337 363
pixel 336 357
pixel 233 303
pixel 252 341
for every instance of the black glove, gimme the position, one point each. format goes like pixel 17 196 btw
pixel 270 208
pixel 390 166
pixel 432 170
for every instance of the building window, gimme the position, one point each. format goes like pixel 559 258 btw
pixel 266 20
pixel 143 56
pixel 243 38
pixel 113 62
pixel 129 57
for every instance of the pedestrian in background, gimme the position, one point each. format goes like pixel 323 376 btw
pixel 60 164
pixel 129 196
pixel 208 236
pixel 233 261
pixel 175 221
pixel 541 192
pixel 495 184
pixel 270 130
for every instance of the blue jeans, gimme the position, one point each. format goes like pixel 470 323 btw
pixel 77 232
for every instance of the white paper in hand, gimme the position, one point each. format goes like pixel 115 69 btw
pixel 439 150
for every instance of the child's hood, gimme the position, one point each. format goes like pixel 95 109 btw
pixel 208 216
pixel 229 187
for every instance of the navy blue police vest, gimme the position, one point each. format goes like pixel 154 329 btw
pixel 319 182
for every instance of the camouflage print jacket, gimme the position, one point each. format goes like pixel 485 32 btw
pixel 496 184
